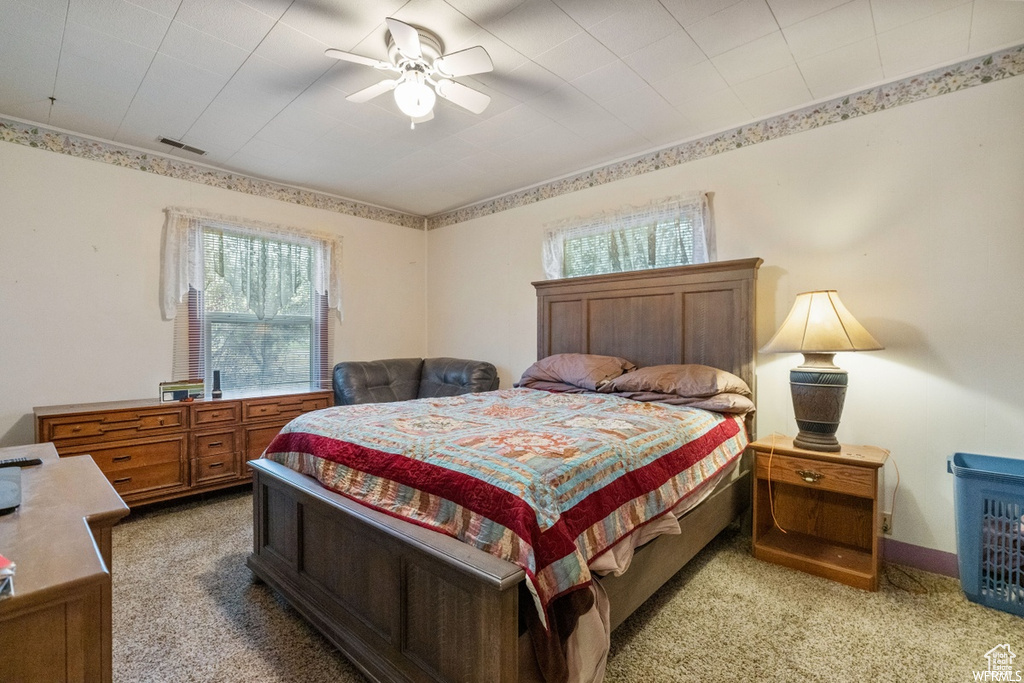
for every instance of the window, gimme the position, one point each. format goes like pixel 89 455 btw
pixel 672 232
pixel 256 307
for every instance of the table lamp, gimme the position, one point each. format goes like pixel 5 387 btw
pixel 819 326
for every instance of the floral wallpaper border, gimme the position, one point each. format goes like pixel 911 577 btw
pixel 41 137
pixel 967 74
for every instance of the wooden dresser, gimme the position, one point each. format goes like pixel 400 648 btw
pixel 57 625
pixel 153 451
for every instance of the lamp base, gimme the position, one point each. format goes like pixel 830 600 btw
pixel 809 441
pixel 818 396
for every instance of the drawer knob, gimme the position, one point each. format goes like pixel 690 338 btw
pixel 76 429
pixel 161 420
pixel 810 476
pixel 214 414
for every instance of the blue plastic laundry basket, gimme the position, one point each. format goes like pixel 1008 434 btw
pixel 989 500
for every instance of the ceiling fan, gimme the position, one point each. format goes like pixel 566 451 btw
pixel 417 56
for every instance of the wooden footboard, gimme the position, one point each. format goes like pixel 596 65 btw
pixel 403 603
pixel 408 604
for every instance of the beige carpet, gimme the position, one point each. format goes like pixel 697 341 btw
pixel 186 609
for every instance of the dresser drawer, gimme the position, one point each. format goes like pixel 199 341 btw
pixel 114 457
pixel 115 425
pixel 827 476
pixel 214 467
pixel 258 437
pixel 284 408
pixel 139 480
pixel 216 443
pixel 215 413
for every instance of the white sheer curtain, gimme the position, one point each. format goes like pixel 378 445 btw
pixel 183 259
pixel 667 232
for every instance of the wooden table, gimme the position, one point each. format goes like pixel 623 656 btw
pixel 827 503
pixel 57 626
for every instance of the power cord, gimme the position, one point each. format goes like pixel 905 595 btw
pixel 917 587
pixel 771 497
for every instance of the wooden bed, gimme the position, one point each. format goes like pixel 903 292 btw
pixel 408 604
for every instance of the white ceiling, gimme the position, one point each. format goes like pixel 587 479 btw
pixel 576 83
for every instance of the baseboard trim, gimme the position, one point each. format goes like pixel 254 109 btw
pixel 919 557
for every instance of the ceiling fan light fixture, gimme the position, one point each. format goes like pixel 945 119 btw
pixel 417 56
pixel 414 97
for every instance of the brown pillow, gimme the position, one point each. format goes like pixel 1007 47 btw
pixel 682 380
pixel 733 404
pixel 585 370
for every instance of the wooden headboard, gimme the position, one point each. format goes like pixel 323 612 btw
pixel 687 314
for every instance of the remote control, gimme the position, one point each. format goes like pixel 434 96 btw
pixel 20 462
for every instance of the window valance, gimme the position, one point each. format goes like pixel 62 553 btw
pixel 668 232
pixel 267 270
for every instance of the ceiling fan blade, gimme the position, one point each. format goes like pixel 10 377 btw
pixel 462 95
pixel 407 38
pixel 367 94
pixel 426 117
pixel 358 59
pixel 474 60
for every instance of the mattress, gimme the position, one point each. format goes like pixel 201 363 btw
pixel 547 481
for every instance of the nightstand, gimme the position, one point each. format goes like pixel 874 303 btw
pixel 828 503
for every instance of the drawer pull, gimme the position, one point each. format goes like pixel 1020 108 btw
pixel 810 476
pixel 216 465
pixel 122 480
pixel 214 414
pixel 76 429
pixel 122 458
pixel 161 420
pixel 212 444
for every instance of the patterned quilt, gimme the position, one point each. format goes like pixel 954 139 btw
pixel 546 481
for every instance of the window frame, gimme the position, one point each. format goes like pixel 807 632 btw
pixel 182 297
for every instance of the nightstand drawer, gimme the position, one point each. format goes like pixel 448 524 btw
pixel 827 476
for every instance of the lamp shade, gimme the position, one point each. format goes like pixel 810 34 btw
pixel 819 326
pixel 820 323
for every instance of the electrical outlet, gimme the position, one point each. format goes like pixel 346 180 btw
pixel 887 523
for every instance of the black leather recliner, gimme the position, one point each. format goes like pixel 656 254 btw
pixel 403 379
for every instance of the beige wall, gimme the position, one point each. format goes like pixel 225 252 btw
pixel 916 216
pixel 79 280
